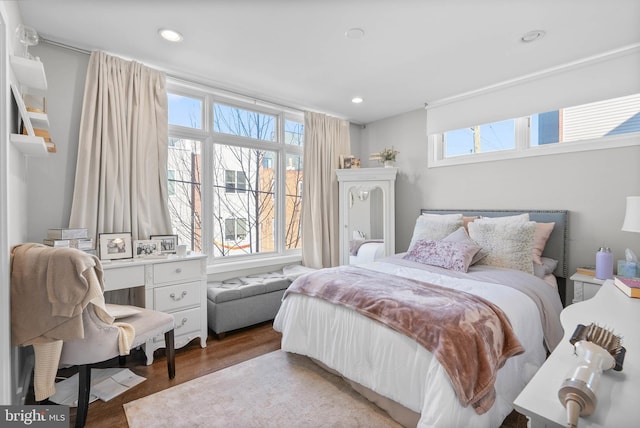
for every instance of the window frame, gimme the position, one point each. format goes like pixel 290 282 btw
pixel 209 138
pixel 523 147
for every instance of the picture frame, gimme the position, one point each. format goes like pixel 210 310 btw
pixel 115 246
pixel 146 248
pixel 168 243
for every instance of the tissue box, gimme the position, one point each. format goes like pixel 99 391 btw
pixel 627 269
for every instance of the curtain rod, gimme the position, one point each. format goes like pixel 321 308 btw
pixel 179 79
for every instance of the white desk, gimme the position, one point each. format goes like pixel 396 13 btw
pixel 618 393
pixel 176 285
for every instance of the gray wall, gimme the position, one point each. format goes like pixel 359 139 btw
pixel 51 179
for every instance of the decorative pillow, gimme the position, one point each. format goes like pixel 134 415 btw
pixel 449 255
pixel 468 219
pixel 510 245
pixel 461 235
pixel 545 268
pixel 520 218
pixel 435 226
pixel 543 231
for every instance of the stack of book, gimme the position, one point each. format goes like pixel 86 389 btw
pixel 629 286
pixel 587 270
pixel 70 237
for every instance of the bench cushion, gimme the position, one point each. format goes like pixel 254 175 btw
pixel 243 287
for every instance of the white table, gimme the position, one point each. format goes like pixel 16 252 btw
pixel 618 393
pixel 176 285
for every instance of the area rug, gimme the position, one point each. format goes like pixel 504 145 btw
pixel 274 390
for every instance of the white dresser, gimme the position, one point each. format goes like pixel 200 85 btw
pixel 176 285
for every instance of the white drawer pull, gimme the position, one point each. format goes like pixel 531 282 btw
pixel 173 296
pixel 184 321
pixel 179 270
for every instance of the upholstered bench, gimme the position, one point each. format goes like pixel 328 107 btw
pixel 248 300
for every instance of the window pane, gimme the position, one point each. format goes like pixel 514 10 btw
pixel 185 207
pixel 545 128
pixel 254 204
pixel 293 133
pixel 601 119
pixel 243 123
pixel 230 229
pixel 293 187
pixel 185 111
pixel 230 181
pixel 481 139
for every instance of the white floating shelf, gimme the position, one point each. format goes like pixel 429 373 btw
pixel 29 145
pixel 29 72
pixel 39 120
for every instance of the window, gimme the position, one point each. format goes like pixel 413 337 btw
pixel 235 181
pixel 587 126
pixel 239 181
pixel 235 229
pixel 185 200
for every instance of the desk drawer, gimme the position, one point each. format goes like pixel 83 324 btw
pixel 186 322
pixel 123 277
pixel 172 297
pixel 183 270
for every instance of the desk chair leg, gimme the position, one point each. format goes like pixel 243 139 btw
pixel 84 386
pixel 171 353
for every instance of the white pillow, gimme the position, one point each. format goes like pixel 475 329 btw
pixel 435 227
pixel 520 218
pixel 509 244
pixel 121 311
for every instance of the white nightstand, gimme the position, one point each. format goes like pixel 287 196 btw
pixel 584 286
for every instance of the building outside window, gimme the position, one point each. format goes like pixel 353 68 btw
pixel 237 175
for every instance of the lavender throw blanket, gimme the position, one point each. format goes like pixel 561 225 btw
pixel 470 337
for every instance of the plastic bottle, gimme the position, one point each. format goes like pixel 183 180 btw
pixel 604 263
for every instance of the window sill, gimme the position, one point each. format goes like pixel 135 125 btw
pixel 241 266
pixel 610 142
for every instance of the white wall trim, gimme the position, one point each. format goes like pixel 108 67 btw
pixel 6 383
pixel 604 56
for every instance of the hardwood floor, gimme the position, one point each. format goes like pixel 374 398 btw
pixel 193 361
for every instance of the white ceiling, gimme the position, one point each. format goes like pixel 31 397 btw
pixel 296 53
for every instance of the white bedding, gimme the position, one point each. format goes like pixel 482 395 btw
pixel 395 366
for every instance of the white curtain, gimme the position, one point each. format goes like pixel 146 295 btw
pixel 121 172
pixel 325 139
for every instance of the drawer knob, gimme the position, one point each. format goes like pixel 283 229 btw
pixel 179 270
pixel 173 296
pixel 184 321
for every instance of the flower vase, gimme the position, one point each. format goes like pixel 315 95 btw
pixel 389 164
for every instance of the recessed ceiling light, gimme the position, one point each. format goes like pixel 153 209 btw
pixel 532 36
pixel 357 100
pixel 354 33
pixel 170 35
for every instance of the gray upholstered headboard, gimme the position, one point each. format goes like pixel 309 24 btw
pixel 556 247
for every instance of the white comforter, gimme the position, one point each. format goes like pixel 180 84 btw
pixel 395 366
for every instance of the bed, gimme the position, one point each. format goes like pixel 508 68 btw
pixel 394 368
